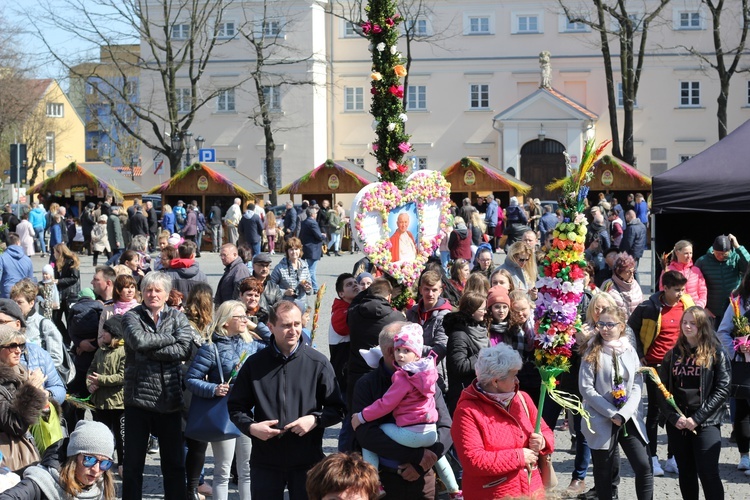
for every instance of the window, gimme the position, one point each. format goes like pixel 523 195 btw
pixel 478 25
pixel 354 99
pixel 636 18
pixel 569 27
pixel 94 143
pixel 55 109
pixel 229 162
pixel 416 98
pixel 685 20
pixel 690 94
pixel 183 100
pixel 272 96
pixel 621 98
pixel 658 154
pixel 479 96
pixel 360 162
pixel 225 100
pixel 420 162
pixel 684 158
pixel 277 170
pixel 50 139
pixel 226 30
pixel 272 28
pixel 349 31
pixel 181 31
pixel 89 88
pixel 131 88
pixel 527 24
pixel 417 27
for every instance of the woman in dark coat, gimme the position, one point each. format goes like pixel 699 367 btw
pixel 68 278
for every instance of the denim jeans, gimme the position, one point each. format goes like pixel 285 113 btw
pixel 697 457
pixel 39 232
pixel 335 243
pixel 313 265
pixel 217 234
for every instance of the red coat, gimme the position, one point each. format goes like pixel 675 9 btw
pixel 490 441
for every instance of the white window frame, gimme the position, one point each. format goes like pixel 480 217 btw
pixel 517 18
pixel 621 99
pixel 180 31
pixel 693 87
pixel 422 27
pixel 226 30
pixel 565 26
pixel 482 92
pixel 354 99
pixel 416 98
pixel 420 162
pixel 470 16
pixel 183 97
pixel 225 101
pixel 273 28
pixel 55 110
pixel 684 157
pixel 360 162
pixel 635 16
pixel 678 20
pixel 272 94
pixel 49 139
pixel 347 29
pixel 229 162
pixel 276 167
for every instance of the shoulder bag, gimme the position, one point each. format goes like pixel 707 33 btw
pixel 208 418
pixel 18 452
pixel 67 370
pixel 546 470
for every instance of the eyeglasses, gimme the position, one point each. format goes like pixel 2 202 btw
pixel 13 347
pixel 90 461
pixel 519 259
pixel 608 325
pixel 241 318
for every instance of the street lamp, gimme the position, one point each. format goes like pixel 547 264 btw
pixel 199 142
pixel 178 142
pixel 133 163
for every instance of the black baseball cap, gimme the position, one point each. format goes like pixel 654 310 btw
pixel 722 244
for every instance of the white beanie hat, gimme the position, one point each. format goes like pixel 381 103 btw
pixel 91 438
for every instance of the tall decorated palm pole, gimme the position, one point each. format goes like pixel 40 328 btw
pixel 556 317
pixel 399 221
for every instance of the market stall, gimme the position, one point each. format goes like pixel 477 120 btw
pixel 616 178
pixel 472 177
pixel 81 183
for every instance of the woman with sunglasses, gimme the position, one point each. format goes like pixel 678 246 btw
pixel 623 286
pixel 234 344
pixel 22 394
pixel 611 390
pixel 84 474
pixel 521 264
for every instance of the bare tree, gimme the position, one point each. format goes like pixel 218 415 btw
pixel 33 132
pixel 177 37
pixel 15 99
pixel 270 75
pixel 725 61
pixel 614 19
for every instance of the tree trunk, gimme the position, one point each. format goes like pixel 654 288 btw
pixel 628 94
pixel 175 161
pixel 721 113
pixel 270 151
pixel 609 74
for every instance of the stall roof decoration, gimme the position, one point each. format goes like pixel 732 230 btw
pixel 611 161
pixel 361 176
pixel 491 172
pixel 99 173
pixel 219 173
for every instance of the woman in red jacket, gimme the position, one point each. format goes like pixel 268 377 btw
pixel 493 431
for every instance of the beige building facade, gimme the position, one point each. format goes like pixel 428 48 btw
pixel 474 89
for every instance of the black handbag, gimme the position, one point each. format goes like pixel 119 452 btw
pixel 740 386
pixel 208 418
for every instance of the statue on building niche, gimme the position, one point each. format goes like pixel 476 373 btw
pixel 544 64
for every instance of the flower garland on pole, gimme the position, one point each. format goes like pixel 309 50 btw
pixel 561 287
pixel 381 29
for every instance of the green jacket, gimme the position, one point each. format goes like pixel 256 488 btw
pixel 722 277
pixel 110 365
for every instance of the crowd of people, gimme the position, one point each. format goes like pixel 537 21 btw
pixel 445 387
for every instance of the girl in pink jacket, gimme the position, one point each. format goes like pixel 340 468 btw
pixel 411 400
pixel 682 262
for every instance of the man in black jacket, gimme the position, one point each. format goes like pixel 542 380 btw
pixel 284 398
pixel 234 271
pixel 368 313
pixel 400 473
pixel 272 294
pixel 290 221
pixel 312 244
pixel 153 225
pixel 138 223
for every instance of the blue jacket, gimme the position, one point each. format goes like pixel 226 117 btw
pixel 36 357
pixel 167 222
pixel 38 218
pixel 312 239
pixel 634 238
pixel 641 211
pixel 290 221
pixel 55 236
pixel 547 223
pixel 490 216
pixel 14 266
pixel 230 349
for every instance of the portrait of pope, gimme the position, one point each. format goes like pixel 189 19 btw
pixel 403 243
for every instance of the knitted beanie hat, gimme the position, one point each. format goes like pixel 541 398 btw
pixel 497 294
pixel 410 337
pixel 47 269
pixel 91 438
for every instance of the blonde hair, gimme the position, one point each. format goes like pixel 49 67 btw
pixel 595 344
pixel 270 220
pixel 72 487
pixel 476 221
pixel 599 297
pixel 223 315
pixel 529 268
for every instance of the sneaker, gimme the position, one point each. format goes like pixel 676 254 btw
pixel 658 471
pixel 153 445
pixel 744 463
pixel 671 466
pixel 458 495
pixel 576 487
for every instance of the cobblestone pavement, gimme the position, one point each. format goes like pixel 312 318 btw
pixel 735 482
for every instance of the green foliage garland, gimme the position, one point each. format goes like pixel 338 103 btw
pixel 381 29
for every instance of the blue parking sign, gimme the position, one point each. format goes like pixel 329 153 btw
pixel 207 155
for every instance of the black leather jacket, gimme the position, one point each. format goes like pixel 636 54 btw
pixel 715 382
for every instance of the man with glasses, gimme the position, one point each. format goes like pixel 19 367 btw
pixel 656 324
pixel 723 267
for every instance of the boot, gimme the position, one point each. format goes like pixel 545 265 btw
pixel 194 495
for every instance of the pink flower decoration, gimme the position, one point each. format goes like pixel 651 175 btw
pixel 373 91
pixel 366 27
pixel 397 91
pixel 377 29
pixel 404 147
pixel 392 165
pixel 389 22
pixel 375 146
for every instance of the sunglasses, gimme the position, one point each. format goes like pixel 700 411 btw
pixel 13 347
pixel 608 325
pixel 519 259
pixel 90 461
